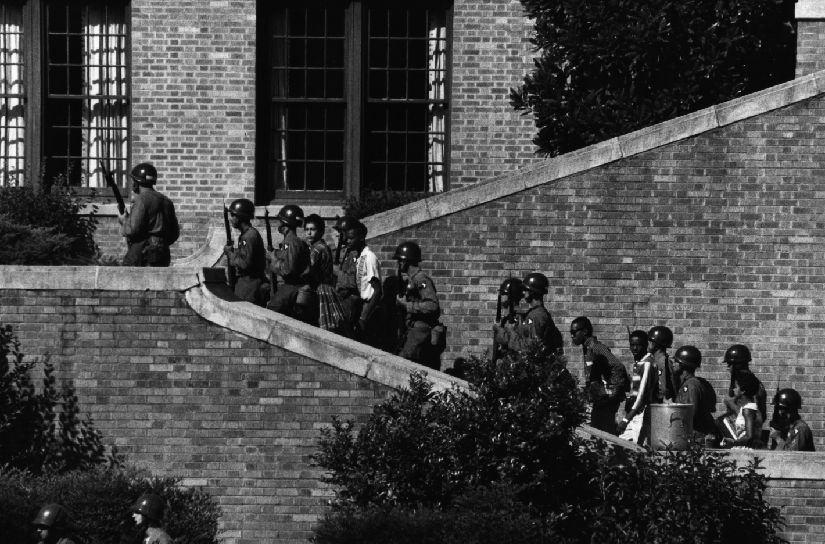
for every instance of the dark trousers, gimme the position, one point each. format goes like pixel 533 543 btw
pixel 136 256
pixel 418 347
pixel 284 299
pixel 249 289
pixel 603 417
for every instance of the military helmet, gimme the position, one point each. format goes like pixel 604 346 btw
pixel 292 215
pixel 51 515
pixel 150 506
pixel 511 287
pixel 344 223
pixel 688 356
pixel 660 335
pixel 409 251
pixel 738 354
pixel 242 207
pixel 788 398
pixel 144 174
pixel 536 283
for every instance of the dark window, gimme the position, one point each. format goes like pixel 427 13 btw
pixel 356 99
pixel 77 111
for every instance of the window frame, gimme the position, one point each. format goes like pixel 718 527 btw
pixel 355 99
pixel 35 36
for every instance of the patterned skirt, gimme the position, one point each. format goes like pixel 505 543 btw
pixel 331 316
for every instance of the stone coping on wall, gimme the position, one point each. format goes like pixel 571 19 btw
pixel 102 278
pixel 600 154
pixel 809 9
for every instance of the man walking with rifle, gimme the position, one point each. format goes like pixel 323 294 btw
pixel 151 226
pixel 419 301
pixel 249 258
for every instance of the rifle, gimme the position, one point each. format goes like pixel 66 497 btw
pixel 341 237
pixel 402 287
pixel 230 270
pixel 498 321
pixel 269 247
pixel 110 181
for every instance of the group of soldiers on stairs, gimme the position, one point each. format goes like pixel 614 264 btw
pixel 342 293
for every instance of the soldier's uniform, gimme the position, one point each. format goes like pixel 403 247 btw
pixel 156 535
pixel 151 226
pixel 699 394
pixel 249 259
pixel 799 437
pixel 664 380
pixel 347 287
pixel 290 263
pixel 536 325
pixel 422 313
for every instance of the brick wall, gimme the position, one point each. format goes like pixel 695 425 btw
pixel 491 54
pixel 183 397
pixel 801 502
pixel 719 236
pixel 810 47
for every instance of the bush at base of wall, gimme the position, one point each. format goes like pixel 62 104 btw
pixel 99 501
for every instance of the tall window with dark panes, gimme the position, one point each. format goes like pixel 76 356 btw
pixel 356 97
pixel 65 92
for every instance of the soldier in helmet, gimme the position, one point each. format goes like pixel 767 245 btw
pixel 148 515
pixel 346 285
pixel 290 262
pixel 659 339
pixel 510 294
pixel 52 525
pixel 151 226
pixel 694 391
pixel 249 259
pixel 738 358
pixel 536 324
pixel 788 431
pixel 606 376
pixel 420 304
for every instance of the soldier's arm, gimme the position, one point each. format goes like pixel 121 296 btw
pixel 428 304
pixel 137 221
pixel 241 258
pixel 286 260
pixel 804 440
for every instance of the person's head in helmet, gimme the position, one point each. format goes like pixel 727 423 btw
pixel 535 286
pixel 737 357
pixel 659 338
pixel 144 176
pixel 788 402
pixel 241 212
pixel 686 360
pixel 638 344
pixel 291 217
pixel 513 290
pixel 357 237
pixel 51 523
pixel 314 228
pixel 407 254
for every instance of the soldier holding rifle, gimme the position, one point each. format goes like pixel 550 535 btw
pixel 512 288
pixel 249 258
pixel 151 226
pixel 289 263
pixel 419 301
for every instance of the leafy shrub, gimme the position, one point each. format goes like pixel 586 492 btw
pixel 459 466
pixel 42 431
pixel 99 502
pixel 421 447
pixel 374 202
pixel 487 515
pixel 610 67
pixel 33 220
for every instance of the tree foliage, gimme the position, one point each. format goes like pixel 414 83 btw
pixel 43 226
pixel 42 430
pixel 459 465
pixel 610 67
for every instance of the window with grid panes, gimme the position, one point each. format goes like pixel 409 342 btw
pixel 65 103
pixel 356 99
